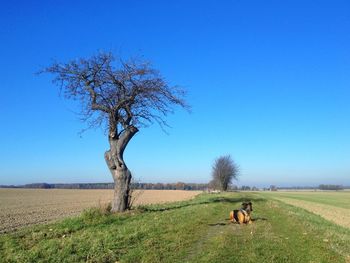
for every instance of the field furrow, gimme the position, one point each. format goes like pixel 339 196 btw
pixel 24 207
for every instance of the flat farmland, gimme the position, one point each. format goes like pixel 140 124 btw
pixel 332 206
pixel 332 198
pixel 197 230
pixel 22 207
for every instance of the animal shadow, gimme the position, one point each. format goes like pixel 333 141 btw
pixel 259 218
pixel 217 224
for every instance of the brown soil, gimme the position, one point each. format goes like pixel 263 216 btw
pixel 22 207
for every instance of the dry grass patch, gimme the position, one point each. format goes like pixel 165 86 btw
pixel 338 215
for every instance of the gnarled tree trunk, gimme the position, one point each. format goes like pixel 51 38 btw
pixel 120 172
pixel 121 197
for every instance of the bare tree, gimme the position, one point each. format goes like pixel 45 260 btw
pixel 121 96
pixel 224 171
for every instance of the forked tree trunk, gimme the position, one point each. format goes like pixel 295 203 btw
pixel 120 172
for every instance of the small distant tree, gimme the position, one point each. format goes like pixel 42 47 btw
pixel 180 186
pixel 224 171
pixel 233 187
pixel 245 188
pixel 273 188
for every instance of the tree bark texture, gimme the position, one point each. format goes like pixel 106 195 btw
pixel 121 197
pixel 120 172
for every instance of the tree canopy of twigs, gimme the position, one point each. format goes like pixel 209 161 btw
pixel 224 170
pixel 117 94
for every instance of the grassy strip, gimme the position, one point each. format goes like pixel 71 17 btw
pixel 190 231
pixel 281 233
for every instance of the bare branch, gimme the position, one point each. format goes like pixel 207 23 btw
pixel 116 92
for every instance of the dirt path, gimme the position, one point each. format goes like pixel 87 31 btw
pixel 340 216
pixel 213 231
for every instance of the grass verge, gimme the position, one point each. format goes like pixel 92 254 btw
pixel 189 231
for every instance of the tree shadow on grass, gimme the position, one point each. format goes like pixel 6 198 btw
pixel 194 203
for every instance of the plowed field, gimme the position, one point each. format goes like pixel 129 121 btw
pixel 21 207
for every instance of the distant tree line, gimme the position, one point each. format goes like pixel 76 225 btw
pixel 62 186
pixel 145 186
pixel 170 186
pixel 331 187
pixel 320 187
pixel 244 188
pixel 297 188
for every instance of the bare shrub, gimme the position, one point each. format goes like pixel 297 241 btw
pixel 224 171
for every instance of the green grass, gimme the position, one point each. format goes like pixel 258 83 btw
pixel 337 199
pixel 191 231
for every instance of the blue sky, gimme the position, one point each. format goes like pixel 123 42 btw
pixel 268 82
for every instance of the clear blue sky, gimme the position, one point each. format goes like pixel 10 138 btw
pixel 268 81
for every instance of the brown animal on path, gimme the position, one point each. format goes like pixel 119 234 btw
pixel 242 216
